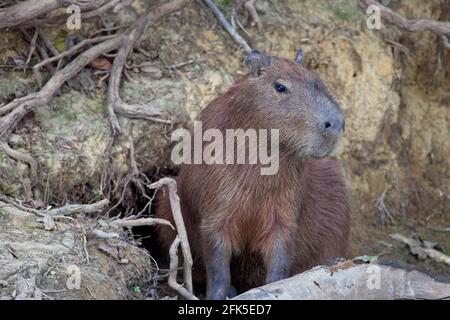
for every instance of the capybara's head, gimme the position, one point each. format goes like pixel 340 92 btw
pixel 288 97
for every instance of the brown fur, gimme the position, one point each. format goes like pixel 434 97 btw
pixel 305 207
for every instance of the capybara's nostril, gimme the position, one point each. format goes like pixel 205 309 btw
pixel 334 126
pixel 328 126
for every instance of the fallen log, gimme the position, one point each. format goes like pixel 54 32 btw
pixel 349 281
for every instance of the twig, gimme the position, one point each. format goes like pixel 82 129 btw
pixel 383 210
pixel 122 4
pixel 72 50
pixel 445 42
pixel 133 163
pixel 96 233
pixel 96 32
pixel 20 206
pixel 250 7
pixel 145 53
pixel 401 47
pixel 181 64
pixel 440 229
pixel 101 10
pixel 173 270
pixel 242 27
pixel 44 55
pixel 85 248
pixel 32 47
pixel 227 26
pixel 233 14
pixel 127 223
pixel 78 208
pixel 439 51
pixel 179 223
pixel 90 292
pixel 417 247
pixel 48 43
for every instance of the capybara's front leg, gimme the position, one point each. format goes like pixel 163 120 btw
pixel 217 262
pixel 277 262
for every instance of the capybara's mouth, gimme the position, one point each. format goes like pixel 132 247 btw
pixel 326 149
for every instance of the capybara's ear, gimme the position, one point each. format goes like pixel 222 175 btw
pixel 299 56
pixel 256 61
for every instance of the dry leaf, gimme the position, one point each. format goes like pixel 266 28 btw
pixel 101 64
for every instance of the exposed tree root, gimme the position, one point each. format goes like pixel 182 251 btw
pixel 21 156
pixel 12 113
pixel 24 12
pixel 19 107
pixel 442 29
pixel 181 229
pixel 114 102
pixel 173 270
pixel 42 50
pixel 136 177
pixel 34 12
pixel 251 9
pixel 228 27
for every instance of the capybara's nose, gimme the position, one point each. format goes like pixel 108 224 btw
pixel 334 125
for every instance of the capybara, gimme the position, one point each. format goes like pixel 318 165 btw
pixel 246 229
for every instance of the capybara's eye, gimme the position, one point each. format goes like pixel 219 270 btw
pixel 280 88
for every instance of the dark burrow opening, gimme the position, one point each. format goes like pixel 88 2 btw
pixel 146 237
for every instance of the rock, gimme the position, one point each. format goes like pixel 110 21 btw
pixel 49 223
pixel 153 72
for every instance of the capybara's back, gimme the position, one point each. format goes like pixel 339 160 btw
pixel 247 226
